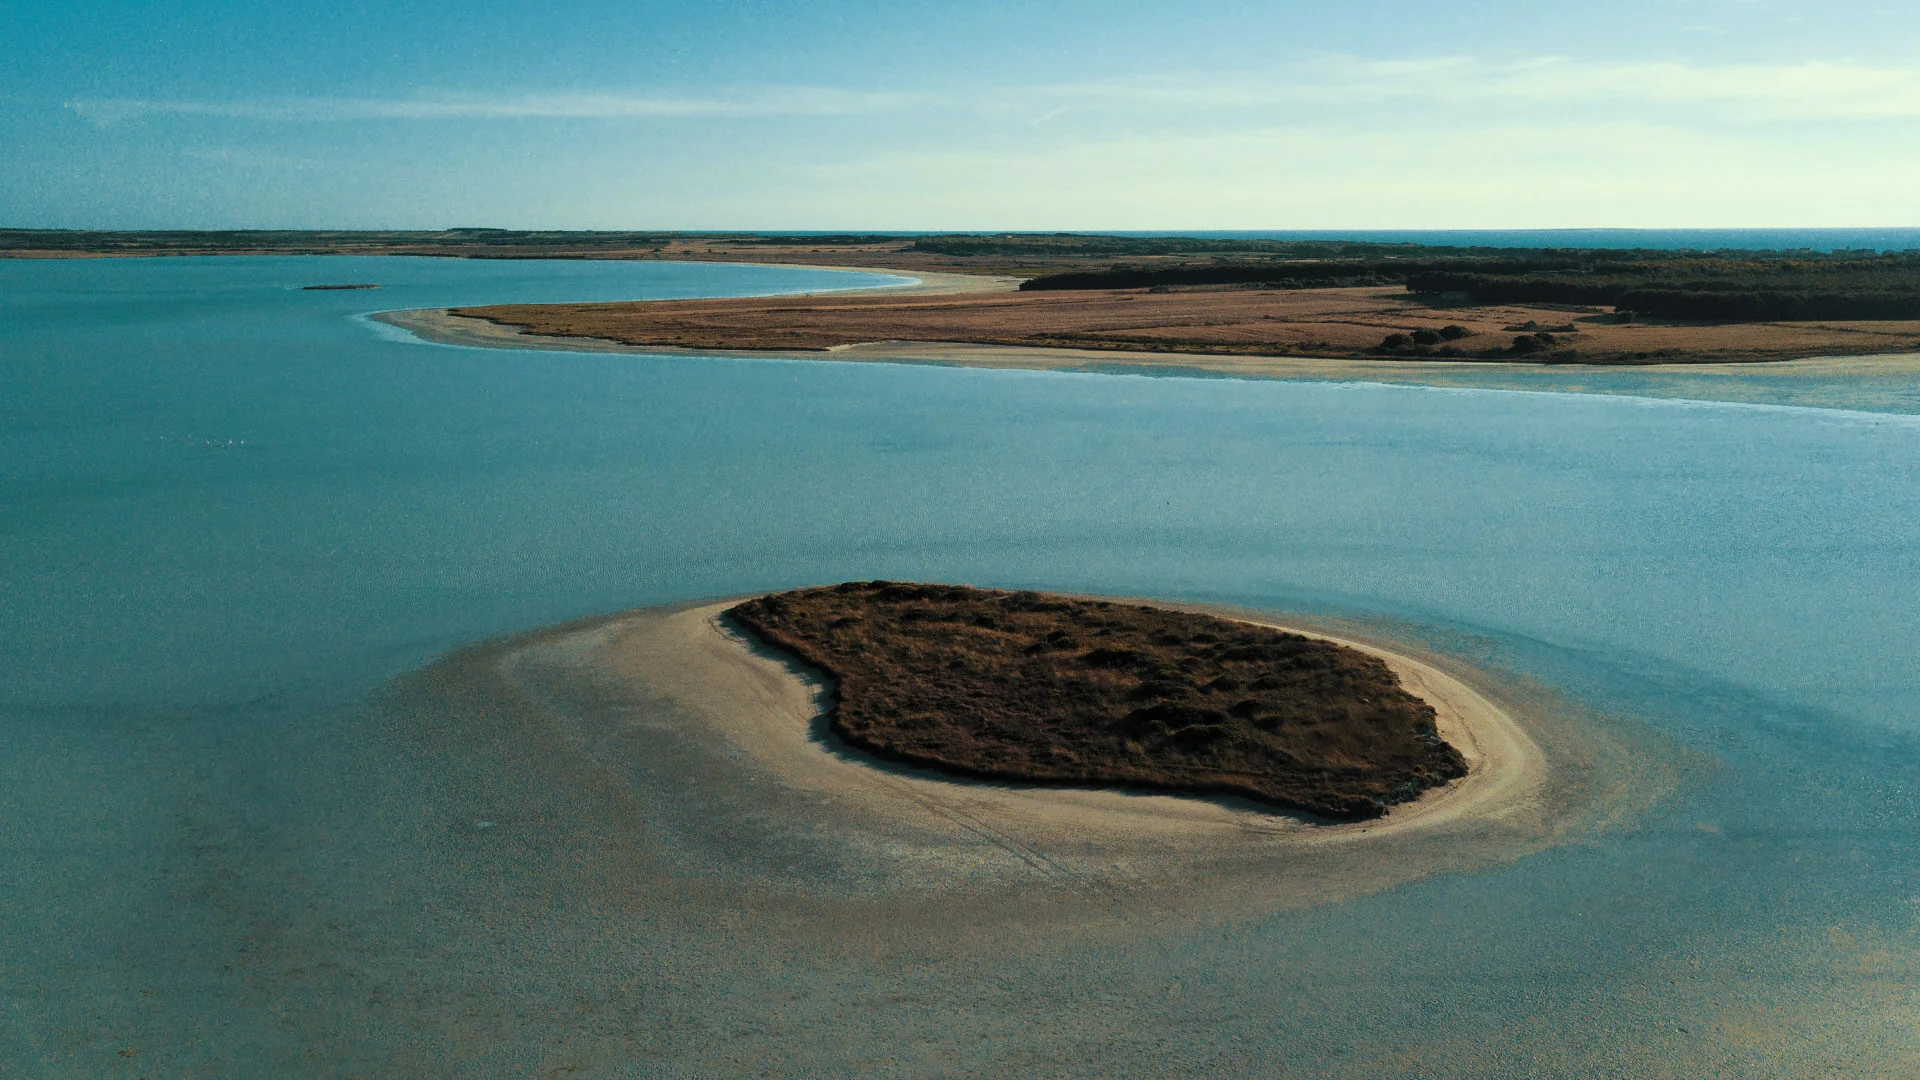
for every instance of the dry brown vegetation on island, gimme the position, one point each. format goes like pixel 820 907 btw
pixel 1034 687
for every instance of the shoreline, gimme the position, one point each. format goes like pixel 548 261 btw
pixel 704 772
pixel 438 326
pixel 1726 381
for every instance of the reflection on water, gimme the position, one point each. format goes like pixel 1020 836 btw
pixel 232 515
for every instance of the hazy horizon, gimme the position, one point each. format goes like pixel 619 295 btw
pixel 1379 115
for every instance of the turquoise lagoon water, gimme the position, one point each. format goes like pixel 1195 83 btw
pixel 231 512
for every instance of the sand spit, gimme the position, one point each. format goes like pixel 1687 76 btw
pixel 1352 322
pixel 1810 351
pixel 722 785
pixel 1708 381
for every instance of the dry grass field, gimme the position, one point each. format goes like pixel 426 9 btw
pixel 1349 322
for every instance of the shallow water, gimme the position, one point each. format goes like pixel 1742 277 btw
pixel 1887 383
pixel 231 514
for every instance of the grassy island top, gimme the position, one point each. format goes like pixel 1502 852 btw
pixel 1034 687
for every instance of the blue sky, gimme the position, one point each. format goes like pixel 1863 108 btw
pixel 1117 115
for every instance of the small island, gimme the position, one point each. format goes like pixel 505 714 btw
pixel 1033 687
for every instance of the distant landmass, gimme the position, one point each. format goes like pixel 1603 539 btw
pixel 1626 297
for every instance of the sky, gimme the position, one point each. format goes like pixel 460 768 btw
pixel 742 114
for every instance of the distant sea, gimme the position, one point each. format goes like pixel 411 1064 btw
pixel 1652 239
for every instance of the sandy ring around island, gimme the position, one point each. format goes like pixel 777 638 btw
pixel 770 709
pixel 703 773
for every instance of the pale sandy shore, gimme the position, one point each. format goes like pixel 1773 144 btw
pixel 1865 379
pixel 773 710
pixel 790 820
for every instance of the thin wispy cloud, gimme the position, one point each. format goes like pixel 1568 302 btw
pixel 1813 90
pixel 1825 90
pixel 1495 175
pixel 790 101
pixel 1797 91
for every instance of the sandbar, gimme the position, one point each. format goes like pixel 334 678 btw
pixel 716 749
pixel 1833 376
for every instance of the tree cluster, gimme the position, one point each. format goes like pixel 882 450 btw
pixel 1708 290
pixel 1425 341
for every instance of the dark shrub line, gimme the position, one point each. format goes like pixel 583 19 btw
pixel 1893 293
